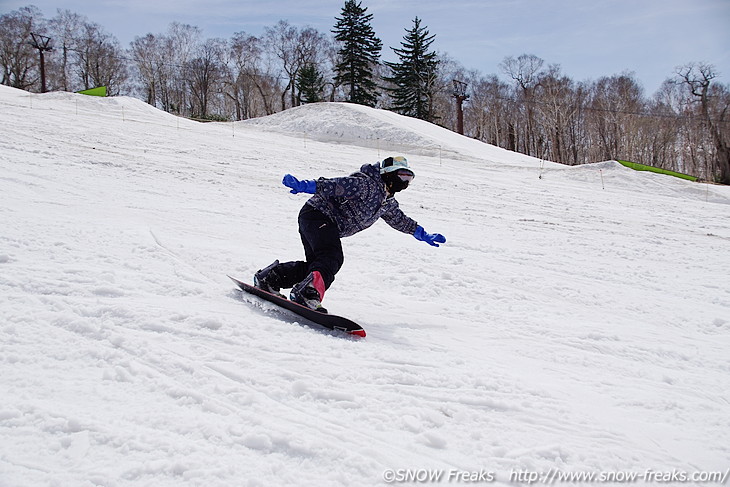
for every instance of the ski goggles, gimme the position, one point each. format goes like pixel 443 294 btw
pixel 405 175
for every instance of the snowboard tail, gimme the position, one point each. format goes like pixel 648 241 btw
pixel 327 320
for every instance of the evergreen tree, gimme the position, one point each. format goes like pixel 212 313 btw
pixel 414 77
pixel 360 51
pixel 310 84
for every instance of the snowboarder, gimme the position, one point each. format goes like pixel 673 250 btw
pixel 339 208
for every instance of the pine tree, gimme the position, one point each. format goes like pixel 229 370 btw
pixel 360 51
pixel 310 84
pixel 414 77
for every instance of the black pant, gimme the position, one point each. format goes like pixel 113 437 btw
pixel 322 249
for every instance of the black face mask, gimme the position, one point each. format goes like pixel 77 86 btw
pixel 394 183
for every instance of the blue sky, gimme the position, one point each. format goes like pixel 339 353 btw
pixel 587 38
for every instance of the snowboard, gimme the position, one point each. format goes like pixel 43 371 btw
pixel 327 320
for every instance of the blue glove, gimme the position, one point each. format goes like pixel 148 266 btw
pixel 297 186
pixel 429 238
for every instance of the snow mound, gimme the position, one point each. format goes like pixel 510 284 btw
pixel 342 122
pixel 353 124
pixel 117 107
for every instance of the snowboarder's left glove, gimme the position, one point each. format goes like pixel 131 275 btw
pixel 297 186
pixel 430 238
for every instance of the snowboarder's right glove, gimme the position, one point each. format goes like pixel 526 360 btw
pixel 430 238
pixel 297 186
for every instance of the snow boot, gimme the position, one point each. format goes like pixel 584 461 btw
pixel 310 292
pixel 269 280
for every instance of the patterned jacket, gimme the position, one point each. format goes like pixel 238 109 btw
pixel 355 202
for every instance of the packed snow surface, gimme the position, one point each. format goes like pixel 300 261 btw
pixel 576 320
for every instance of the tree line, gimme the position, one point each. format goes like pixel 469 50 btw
pixel 530 107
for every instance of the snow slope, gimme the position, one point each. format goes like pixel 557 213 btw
pixel 578 322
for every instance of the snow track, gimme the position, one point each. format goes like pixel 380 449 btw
pixel 562 326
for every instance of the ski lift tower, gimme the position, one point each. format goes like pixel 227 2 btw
pixel 461 96
pixel 43 44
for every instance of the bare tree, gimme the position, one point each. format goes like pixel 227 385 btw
pixel 204 75
pixel 100 59
pixel 615 104
pixel 294 48
pixel 179 47
pixel 312 50
pixel 19 61
pixel 714 101
pixel 281 42
pixel 67 28
pixel 661 132
pixel 146 54
pixel 443 90
pixel 489 111
pixel 558 102
pixel 243 77
pixel 525 72
pixel 161 61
